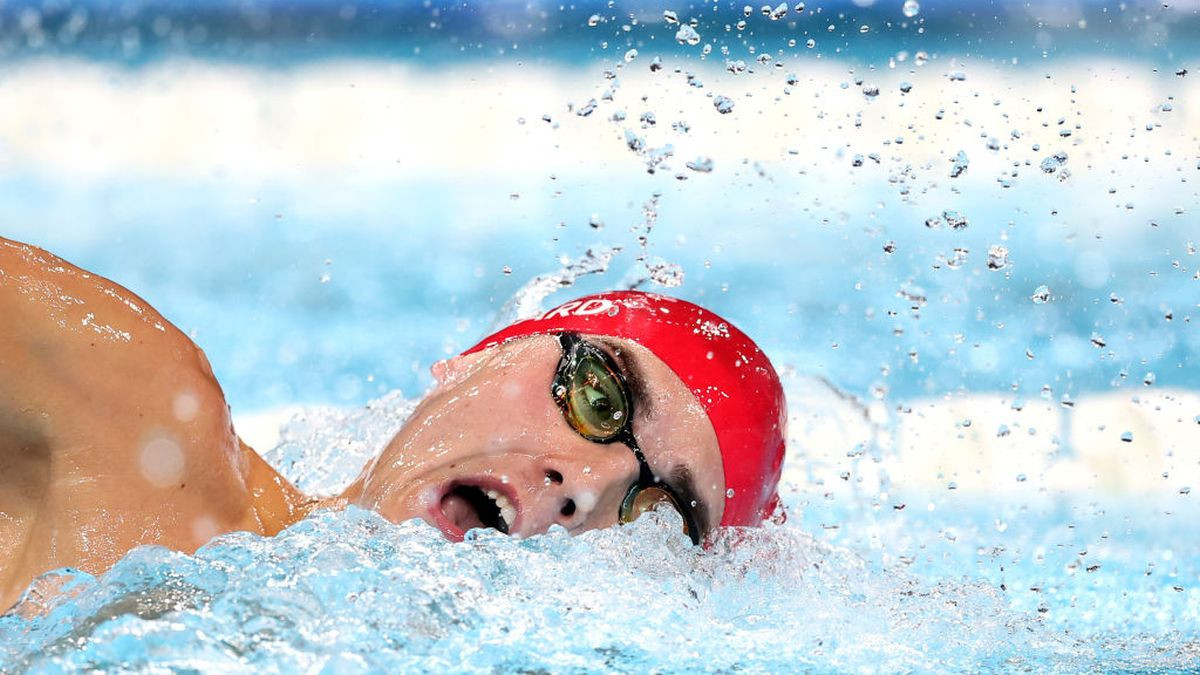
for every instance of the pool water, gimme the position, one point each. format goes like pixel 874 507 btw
pixel 965 235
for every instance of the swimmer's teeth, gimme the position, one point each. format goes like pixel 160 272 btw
pixel 507 511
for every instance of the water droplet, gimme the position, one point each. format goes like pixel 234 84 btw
pixel 1149 379
pixel 506 270
pixel 779 12
pixel 1002 431
pixel 701 164
pixel 905 87
pixel 594 20
pixel 955 219
pixel 587 108
pixel 634 142
pixel 596 222
pixel 666 274
pixel 1098 341
pixel 1054 162
pixel 747 11
pixel 911 8
pixel 957 76
pixel 729 493
pixel 656 64
pixel 799 7
pixel 920 57
pixel 1041 295
pixel 1127 436
pixel 723 104
pixel 889 247
pixel 997 257
pixel 670 17
pixel 631 55
pixel 958 257
pixel 864 28
pixel 687 35
pixel 959 164
pixel 870 90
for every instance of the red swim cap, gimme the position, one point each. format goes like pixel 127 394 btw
pixel 729 375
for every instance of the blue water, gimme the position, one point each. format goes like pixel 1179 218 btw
pixel 332 289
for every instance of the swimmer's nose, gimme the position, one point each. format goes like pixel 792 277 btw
pixel 582 487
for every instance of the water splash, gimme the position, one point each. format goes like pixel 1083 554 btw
pixel 527 302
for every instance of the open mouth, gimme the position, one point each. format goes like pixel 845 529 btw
pixel 472 506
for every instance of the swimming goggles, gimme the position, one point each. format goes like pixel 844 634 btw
pixel 592 393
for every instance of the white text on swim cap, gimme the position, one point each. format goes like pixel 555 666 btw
pixel 580 308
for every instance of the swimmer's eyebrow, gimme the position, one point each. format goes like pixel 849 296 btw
pixel 681 482
pixel 635 376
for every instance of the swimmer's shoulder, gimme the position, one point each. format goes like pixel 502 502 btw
pixel 106 383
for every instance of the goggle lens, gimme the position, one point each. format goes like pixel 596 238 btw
pixel 641 499
pixel 593 399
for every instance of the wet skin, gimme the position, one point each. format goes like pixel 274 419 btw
pixel 114 434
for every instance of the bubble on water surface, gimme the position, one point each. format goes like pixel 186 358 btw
pixel 911 8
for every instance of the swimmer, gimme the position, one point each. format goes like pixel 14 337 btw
pixel 114 432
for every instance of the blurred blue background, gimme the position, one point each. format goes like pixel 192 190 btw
pixel 337 273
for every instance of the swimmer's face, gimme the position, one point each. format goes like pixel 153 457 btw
pixel 490 442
